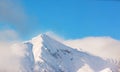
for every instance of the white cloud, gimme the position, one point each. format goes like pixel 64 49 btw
pixel 9 60
pixel 14 54
pixel 8 35
pixel 105 47
pixel 55 36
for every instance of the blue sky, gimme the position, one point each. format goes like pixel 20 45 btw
pixel 67 18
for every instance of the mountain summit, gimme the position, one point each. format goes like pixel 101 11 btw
pixel 45 54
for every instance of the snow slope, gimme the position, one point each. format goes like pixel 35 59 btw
pixel 45 54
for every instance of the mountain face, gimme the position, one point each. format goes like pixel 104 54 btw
pixel 45 54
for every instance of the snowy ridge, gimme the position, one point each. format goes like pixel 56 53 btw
pixel 44 54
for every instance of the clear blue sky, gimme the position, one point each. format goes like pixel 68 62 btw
pixel 72 18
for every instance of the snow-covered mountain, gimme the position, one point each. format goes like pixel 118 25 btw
pixel 45 54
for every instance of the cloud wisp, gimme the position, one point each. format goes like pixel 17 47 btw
pixel 12 13
pixel 6 55
pixel 13 57
pixel 12 52
pixel 105 47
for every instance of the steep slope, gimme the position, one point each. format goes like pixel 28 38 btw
pixel 52 56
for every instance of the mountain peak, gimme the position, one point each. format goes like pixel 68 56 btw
pixel 46 54
pixel 41 36
pixel 51 55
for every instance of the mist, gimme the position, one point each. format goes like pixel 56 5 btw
pixel 105 47
pixel 13 53
pixel 13 14
pixel 8 61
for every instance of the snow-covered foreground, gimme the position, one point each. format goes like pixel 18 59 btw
pixel 45 54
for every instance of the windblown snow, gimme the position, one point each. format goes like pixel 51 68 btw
pixel 45 54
